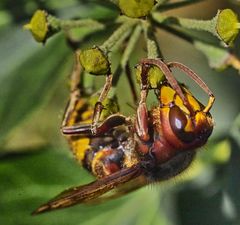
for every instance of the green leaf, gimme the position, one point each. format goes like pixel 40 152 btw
pixel 29 180
pixel 27 83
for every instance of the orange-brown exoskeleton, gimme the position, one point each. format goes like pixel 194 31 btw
pixel 126 153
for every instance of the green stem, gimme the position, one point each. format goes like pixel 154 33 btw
pixel 218 57
pixel 121 40
pixel 170 6
pixel 204 25
pixel 130 46
pixel 125 58
pixel 126 54
pixel 201 25
pixel 114 38
pixel 224 25
pixel 152 45
pixel 185 35
pixel 69 24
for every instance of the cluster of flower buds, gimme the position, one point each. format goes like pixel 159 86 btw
pixel 145 16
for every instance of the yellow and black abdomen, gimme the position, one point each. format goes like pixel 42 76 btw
pixel 105 154
pixel 82 114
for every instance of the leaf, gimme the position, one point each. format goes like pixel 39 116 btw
pixel 29 180
pixel 25 86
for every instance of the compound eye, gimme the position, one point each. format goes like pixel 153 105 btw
pixel 178 122
pixel 177 119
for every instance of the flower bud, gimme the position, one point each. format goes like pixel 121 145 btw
pixel 136 8
pixel 110 105
pixel 94 61
pixel 155 76
pixel 38 26
pixel 227 26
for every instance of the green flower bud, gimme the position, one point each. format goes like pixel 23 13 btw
pixel 227 26
pixel 155 76
pixel 38 26
pixel 94 61
pixel 110 105
pixel 136 8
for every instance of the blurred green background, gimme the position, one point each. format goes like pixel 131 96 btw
pixel 35 163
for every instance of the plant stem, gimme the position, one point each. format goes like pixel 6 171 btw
pixel 204 25
pixel 169 6
pixel 153 50
pixel 130 45
pixel 114 38
pixel 201 25
pixel 121 40
pixel 126 54
pixel 69 24
pixel 218 57
pixel 125 58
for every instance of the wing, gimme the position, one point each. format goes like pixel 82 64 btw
pixel 124 189
pixel 91 191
